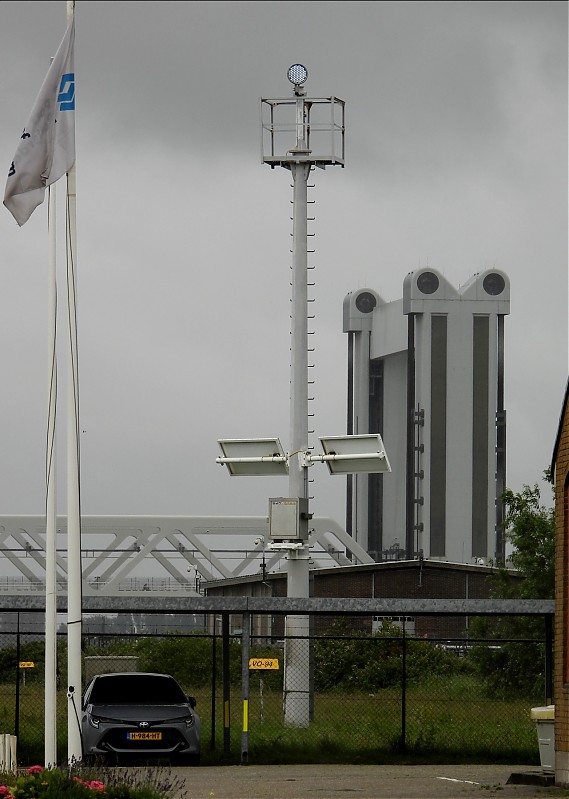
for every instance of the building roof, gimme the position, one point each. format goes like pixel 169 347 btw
pixel 562 416
pixel 359 568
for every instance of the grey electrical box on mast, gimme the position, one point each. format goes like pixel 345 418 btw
pixel 288 518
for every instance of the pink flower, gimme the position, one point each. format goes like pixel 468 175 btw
pixel 35 769
pixel 95 785
pixel 4 791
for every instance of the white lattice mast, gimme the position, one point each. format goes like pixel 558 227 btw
pixel 299 158
pixel 312 130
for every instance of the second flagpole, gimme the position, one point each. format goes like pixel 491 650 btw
pixel 50 738
pixel 74 576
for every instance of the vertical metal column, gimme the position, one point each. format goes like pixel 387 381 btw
pixel 18 656
pixel 226 685
pixel 74 575
pixel 403 746
pixel 298 480
pixel 410 547
pixel 350 431
pixel 360 514
pixel 500 555
pixel 297 662
pixel 213 685
pixel 50 700
pixel 299 158
pixel 245 651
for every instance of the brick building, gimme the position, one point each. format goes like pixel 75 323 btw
pixel 414 579
pixel 560 476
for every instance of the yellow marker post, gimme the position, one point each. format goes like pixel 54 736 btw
pixel 26 664
pixel 263 664
pixel 245 715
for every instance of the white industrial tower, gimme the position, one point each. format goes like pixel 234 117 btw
pixel 427 373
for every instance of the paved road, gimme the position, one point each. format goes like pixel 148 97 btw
pixel 359 782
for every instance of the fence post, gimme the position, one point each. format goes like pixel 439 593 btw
pixel 213 685
pixel 403 690
pixel 17 709
pixel 245 650
pixel 226 684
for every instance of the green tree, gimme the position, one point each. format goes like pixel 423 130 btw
pixel 530 529
pixel 188 658
pixel 517 669
pixel 352 661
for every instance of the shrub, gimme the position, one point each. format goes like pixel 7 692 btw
pixel 39 783
pixel 359 663
pixel 33 651
pixel 188 658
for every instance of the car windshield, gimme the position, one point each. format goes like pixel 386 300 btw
pixel 136 689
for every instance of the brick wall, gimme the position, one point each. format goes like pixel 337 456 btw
pixel 561 670
pixel 428 579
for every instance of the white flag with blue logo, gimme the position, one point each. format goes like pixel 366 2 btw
pixel 47 146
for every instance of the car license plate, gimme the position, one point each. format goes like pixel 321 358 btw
pixel 144 736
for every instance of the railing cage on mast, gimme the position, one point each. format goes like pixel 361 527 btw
pixel 324 126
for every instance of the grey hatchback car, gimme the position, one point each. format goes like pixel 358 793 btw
pixel 138 714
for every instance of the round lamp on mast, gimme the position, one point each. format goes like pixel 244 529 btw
pixel 297 74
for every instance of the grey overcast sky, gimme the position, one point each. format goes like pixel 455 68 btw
pixel 456 158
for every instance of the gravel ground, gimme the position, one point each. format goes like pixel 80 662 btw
pixel 360 782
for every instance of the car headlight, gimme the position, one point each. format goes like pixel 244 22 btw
pixel 94 721
pixel 190 721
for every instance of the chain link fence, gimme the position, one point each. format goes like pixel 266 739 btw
pixel 369 691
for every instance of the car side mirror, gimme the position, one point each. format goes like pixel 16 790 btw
pixel 192 701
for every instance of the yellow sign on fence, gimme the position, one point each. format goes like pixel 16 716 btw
pixel 27 664
pixel 263 663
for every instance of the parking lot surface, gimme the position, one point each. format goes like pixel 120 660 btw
pixel 359 782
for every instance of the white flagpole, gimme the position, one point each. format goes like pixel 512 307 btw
pixel 74 585
pixel 45 153
pixel 50 742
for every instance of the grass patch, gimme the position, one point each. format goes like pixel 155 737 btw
pixel 447 719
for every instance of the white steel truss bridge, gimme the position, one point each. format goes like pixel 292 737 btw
pixel 132 555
